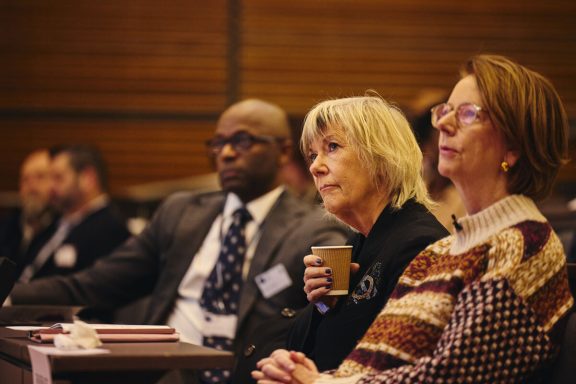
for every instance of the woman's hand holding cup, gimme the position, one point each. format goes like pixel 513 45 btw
pixel 318 280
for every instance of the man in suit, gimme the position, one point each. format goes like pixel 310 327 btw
pixel 87 228
pixel 29 225
pixel 175 258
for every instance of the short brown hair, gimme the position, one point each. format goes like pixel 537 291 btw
pixel 82 157
pixel 528 111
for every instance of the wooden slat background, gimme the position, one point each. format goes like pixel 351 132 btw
pixel 145 80
pixel 329 48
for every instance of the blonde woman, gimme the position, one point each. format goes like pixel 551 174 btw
pixel 366 165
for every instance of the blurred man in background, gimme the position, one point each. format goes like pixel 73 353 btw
pixel 88 228
pixel 29 226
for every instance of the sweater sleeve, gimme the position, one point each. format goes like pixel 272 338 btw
pixel 503 323
pixel 492 336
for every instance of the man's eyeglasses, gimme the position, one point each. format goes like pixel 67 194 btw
pixel 241 142
pixel 466 113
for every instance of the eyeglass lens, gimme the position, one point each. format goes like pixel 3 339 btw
pixel 466 113
pixel 240 141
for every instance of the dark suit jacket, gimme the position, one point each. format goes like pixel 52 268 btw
pixel 11 240
pixel 156 261
pixel 396 238
pixel 95 236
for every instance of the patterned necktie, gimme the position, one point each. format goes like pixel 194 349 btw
pixel 221 295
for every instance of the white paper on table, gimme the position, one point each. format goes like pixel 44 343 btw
pixel 41 365
pixel 26 327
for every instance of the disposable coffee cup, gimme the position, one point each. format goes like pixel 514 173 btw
pixel 337 258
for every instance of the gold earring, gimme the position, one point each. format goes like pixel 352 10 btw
pixel 505 166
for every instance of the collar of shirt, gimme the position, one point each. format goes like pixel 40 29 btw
pixel 187 315
pixel 258 208
pixel 92 206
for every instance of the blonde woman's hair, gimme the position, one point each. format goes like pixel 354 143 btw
pixel 380 135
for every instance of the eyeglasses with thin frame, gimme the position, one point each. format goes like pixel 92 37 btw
pixel 241 142
pixel 466 113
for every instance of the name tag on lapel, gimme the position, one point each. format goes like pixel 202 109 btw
pixel 273 280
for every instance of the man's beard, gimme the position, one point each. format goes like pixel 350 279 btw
pixel 33 209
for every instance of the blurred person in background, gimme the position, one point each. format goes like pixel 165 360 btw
pixel 489 303
pixel 299 183
pixel 295 173
pixel 441 189
pixel 28 226
pixel 88 227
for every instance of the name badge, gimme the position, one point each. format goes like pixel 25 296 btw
pixel 273 280
pixel 66 256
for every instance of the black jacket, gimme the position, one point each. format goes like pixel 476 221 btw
pixel 11 240
pixel 97 235
pixel 396 238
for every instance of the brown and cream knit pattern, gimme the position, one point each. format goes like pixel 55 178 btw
pixel 483 314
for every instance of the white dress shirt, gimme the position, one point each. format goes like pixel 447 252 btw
pixel 187 317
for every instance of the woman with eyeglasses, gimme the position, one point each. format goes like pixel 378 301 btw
pixel 485 304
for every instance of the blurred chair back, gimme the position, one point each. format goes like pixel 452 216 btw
pixel 564 371
pixel 572 279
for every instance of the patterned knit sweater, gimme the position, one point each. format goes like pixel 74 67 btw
pixel 480 306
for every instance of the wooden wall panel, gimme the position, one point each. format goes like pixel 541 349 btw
pixel 136 151
pixel 145 80
pixel 300 52
pixel 140 55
